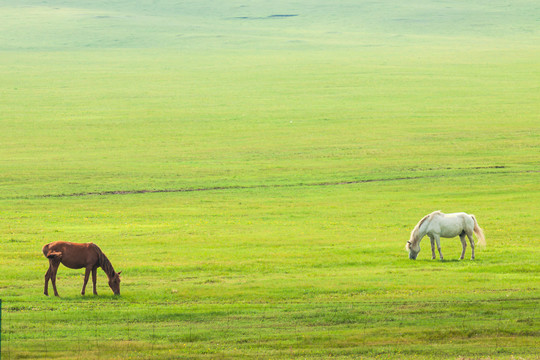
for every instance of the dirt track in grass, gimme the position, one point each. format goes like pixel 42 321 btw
pixel 262 186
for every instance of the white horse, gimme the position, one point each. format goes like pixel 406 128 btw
pixel 438 224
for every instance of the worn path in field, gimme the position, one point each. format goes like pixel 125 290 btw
pixel 260 186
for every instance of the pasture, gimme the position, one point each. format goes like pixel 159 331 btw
pixel 255 169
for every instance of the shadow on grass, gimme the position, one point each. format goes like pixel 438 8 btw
pixel 447 261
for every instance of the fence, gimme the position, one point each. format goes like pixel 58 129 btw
pixel 106 329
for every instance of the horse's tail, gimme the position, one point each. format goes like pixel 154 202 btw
pixel 45 250
pixel 479 233
pixel 50 254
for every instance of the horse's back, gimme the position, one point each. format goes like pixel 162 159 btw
pixel 466 219
pixel 451 225
pixel 73 255
pixel 65 245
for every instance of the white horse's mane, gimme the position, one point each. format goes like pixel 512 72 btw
pixel 415 232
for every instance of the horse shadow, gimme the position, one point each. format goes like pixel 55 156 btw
pixel 447 261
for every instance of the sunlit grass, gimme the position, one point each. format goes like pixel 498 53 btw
pixel 256 179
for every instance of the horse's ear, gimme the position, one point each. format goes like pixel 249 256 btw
pixel 119 272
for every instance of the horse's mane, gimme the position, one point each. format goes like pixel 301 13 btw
pixel 105 263
pixel 415 232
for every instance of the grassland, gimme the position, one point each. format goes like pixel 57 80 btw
pixel 255 177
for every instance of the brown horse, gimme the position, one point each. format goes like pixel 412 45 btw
pixel 77 256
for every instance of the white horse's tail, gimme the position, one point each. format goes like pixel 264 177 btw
pixel 479 233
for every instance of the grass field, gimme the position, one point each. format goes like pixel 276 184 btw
pixel 255 169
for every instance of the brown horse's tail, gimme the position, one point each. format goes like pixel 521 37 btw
pixel 46 250
pixel 479 233
pixel 50 254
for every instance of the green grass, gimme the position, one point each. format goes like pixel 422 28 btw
pixel 256 178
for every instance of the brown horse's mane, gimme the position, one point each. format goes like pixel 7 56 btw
pixel 105 263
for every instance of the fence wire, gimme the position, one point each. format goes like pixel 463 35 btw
pixel 122 330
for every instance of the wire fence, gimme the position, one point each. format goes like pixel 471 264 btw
pixel 123 330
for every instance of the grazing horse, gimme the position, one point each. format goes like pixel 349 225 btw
pixel 437 225
pixel 77 256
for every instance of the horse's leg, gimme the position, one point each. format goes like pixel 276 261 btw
pixel 86 275
pixel 438 241
pixel 54 270
pixel 94 279
pixel 432 240
pixel 47 277
pixel 471 240
pixel 463 244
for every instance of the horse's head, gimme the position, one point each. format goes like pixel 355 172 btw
pixel 413 250
pixel 114 283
